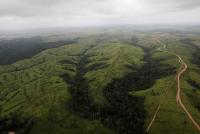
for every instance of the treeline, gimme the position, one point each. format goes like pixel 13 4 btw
pixel 196 58
pixel 145 77
pixel 194 98
pixel 21 48
pixel 80 103
pixel 194 84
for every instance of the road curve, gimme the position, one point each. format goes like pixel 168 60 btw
pixel 183 68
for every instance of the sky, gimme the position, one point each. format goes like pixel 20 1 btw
pixel 30 14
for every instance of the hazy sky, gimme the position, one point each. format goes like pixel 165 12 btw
pixel 22 14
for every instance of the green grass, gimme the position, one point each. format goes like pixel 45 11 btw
pixel 116 56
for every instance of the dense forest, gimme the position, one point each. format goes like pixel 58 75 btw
pixel 21 48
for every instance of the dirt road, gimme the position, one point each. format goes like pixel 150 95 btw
pixel 183 68
pixel 157 110
pixel 181 71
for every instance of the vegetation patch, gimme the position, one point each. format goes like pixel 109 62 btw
pixel 122 112
pixel 15 124
pixel 194 84
pixel 194 95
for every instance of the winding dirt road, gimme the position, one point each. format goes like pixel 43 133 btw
pixel 181 71
pixel 183 68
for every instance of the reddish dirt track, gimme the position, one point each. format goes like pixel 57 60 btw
pixel 181 71
pixel 183 68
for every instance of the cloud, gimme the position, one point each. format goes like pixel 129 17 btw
pixel 50 13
